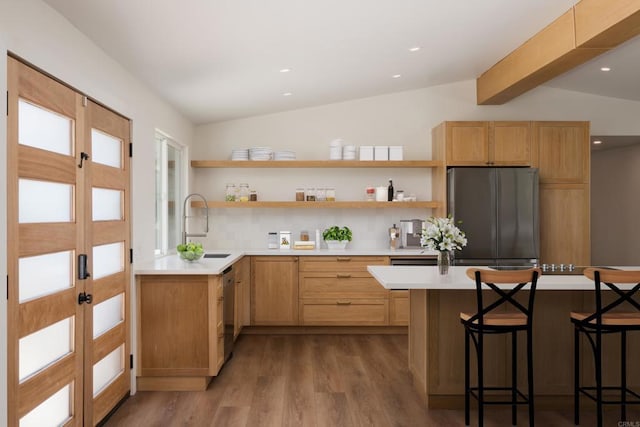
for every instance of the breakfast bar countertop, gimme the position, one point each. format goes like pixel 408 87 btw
pixel 427 277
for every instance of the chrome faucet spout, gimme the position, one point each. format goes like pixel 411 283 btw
pixel 185 234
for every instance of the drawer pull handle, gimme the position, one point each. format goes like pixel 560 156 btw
pixel 343 302
pixel 343 259
pixel 343 276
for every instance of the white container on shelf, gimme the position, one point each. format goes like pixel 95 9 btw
pixel 381 152
pixel 382 194
pixel 396 152
pixel 366 152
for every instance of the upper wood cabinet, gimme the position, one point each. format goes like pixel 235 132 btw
pixel 563 152
pixel 488 143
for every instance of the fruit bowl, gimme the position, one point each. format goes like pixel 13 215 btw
pixel 190 251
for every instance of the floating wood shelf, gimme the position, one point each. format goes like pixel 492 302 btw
pixel 319 205
pixel 315 164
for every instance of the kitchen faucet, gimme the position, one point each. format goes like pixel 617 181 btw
pixel 184 219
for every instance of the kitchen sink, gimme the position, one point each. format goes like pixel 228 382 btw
pixel 216 255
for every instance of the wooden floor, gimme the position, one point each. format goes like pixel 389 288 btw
pixel 317 380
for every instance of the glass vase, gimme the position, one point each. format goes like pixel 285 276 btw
pixel 444 261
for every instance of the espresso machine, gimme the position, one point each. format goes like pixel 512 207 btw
pixel 410 233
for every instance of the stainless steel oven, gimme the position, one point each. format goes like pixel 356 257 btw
pixel 228 295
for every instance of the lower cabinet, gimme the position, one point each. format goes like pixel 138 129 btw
pixel 274 290
pixel 323 291
pixel 338 291
pixel 180 331
pixel 399 308
pixel 242 274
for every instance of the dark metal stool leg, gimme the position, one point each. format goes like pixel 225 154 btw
pixel 623 375
pixel 466 377
pixel 598 354
pixel 530 375
pixel 514 377
pixel 480 380
pixel 576 376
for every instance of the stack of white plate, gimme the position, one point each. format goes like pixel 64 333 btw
pixel 260 153
pixel 240 154
pixel 349 152
pixel 284 155
pixel 335 150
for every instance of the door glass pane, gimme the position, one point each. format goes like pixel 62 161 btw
pixel 43 347
pixel 106 149
pixel 42 201
pixel 52 412
pixel 107 204
pixel 108 369
pixel 108 259
pixel 44 274
pixel 44 129
pixel 108 314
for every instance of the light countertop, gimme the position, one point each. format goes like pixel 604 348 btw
pixel 172 264
pixel 419 277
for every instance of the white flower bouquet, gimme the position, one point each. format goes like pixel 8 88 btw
pixel 441 234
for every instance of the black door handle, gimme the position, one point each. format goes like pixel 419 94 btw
pixel 82 267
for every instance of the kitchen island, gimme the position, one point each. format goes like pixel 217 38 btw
pixel 436 337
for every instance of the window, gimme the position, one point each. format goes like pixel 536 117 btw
pixel 169 184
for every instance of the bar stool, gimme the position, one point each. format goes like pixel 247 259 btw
pixel 604 320
pixel 487 321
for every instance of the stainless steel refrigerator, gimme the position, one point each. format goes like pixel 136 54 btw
pixel 498 210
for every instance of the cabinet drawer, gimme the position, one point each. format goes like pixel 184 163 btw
pixel 340 263
pixel 344 312
pixel 340 285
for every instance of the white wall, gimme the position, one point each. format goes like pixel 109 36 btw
pixel 404 118
pixel 615 206
pixel 35 32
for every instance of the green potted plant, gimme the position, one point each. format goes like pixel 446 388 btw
pixel 337 237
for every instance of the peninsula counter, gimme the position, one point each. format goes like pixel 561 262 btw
pixel 436 337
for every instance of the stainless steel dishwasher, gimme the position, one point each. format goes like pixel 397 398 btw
pixel 228 295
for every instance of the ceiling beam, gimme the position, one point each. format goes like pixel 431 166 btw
pixel 585 31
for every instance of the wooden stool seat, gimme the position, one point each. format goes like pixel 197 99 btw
pixel 498 319
pixel 611 319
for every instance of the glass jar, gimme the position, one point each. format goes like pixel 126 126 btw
pixel 299 194
pixel 304 235
pixel 331 194
pixel 311 194
pixel 400 195
pixel 321 195
pixel 230 193
pixel 244 192
pixel 253 196
pixel 371 194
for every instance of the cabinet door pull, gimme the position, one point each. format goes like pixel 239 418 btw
pixel 343 276
pixel 343 302
pixel 342 258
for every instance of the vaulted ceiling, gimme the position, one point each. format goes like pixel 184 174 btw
pixel 216 60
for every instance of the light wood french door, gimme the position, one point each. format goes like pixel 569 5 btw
pixel 68 253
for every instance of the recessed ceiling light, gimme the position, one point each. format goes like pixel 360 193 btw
pixel 396 76
pixel 285 70
pixel 605 69
pixel 414 49
pixel 287 94
pixel 597 141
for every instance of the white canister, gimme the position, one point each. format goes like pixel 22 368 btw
pixel 381 194
pixel 285 240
